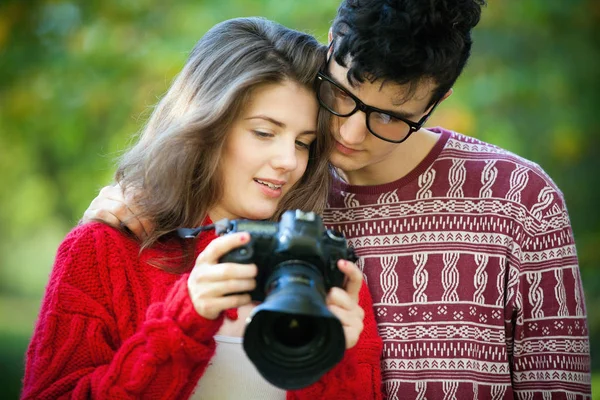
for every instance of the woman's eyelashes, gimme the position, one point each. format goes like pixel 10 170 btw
pixel 301 144
pixel 305 143
pixel 262 134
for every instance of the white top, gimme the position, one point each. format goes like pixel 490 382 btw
pixel 231 375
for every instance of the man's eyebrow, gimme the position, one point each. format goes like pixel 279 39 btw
pixel 396 101
pixel 399 100
pixel 406 115
pixel 279 123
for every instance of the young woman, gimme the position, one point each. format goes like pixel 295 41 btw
pixel 237 135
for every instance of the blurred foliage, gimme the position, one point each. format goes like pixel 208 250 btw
pixel 77 80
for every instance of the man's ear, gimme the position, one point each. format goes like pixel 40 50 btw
pixel 330 40
pixel 448 94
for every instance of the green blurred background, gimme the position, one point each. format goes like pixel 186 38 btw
pixel 77 79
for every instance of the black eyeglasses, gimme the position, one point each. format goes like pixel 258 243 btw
pixel 385 125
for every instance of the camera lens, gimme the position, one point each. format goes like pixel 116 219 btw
pixel 292 338
pixel 294 330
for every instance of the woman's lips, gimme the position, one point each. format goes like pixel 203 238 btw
pixel 272 192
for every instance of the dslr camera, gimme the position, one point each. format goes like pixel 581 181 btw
pixel 291 337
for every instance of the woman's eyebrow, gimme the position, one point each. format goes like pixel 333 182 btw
pixel 268 119
pixel 280 124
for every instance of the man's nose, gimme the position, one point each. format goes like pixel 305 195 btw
pixel 353 129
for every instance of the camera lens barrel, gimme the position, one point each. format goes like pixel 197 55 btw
pixel 292 338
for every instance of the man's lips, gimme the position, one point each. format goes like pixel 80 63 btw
pixel 343 149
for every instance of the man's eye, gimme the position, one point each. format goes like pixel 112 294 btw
pixel 385 118
pixel 341 94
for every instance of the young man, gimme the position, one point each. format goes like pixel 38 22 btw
pixel 467 249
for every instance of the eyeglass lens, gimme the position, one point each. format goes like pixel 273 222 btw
pixel 341 103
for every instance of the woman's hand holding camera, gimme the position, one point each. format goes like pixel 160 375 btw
pixel 211 284
pixel 215 287
pixel 344 303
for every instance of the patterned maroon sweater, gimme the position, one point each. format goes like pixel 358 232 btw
pixel 112 326
pixel 471 263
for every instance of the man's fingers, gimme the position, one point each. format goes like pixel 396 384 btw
pixel 143 225
pixel 116 214
pixel 112 203
pixel 355 277
pixel 110 199
pixel 102 215
pixel 111 196
pixel 112 191
pixel 221 246
pixel 147 226
pixel 136 226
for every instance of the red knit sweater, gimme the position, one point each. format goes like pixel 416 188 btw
pixel 112 326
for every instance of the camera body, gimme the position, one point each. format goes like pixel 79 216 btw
pixel 298 239
pixel 291 336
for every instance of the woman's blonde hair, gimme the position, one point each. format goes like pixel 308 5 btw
pixel 174 167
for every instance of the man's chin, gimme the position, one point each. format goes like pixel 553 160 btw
pixel 343 162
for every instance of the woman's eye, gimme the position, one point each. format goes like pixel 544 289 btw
pixel 262 134
pixel 304 146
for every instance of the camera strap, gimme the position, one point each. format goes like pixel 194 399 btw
pixel 222 226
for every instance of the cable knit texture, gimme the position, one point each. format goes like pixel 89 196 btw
pixel 112 326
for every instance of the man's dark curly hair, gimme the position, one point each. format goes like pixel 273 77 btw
pixel 405 41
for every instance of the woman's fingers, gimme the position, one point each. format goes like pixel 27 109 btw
pixel 352 323
pixel 354 275
pixel 347 317
pixel 210 298
pixel 224 288
pixel 221 246
pixel 215 287
pixel 211 308
pixel 343 303
pixel 225 271
pixel 338 298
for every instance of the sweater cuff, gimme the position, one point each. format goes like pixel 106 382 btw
pixel 178 307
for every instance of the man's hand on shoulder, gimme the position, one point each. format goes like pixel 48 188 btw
pixel 117 209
